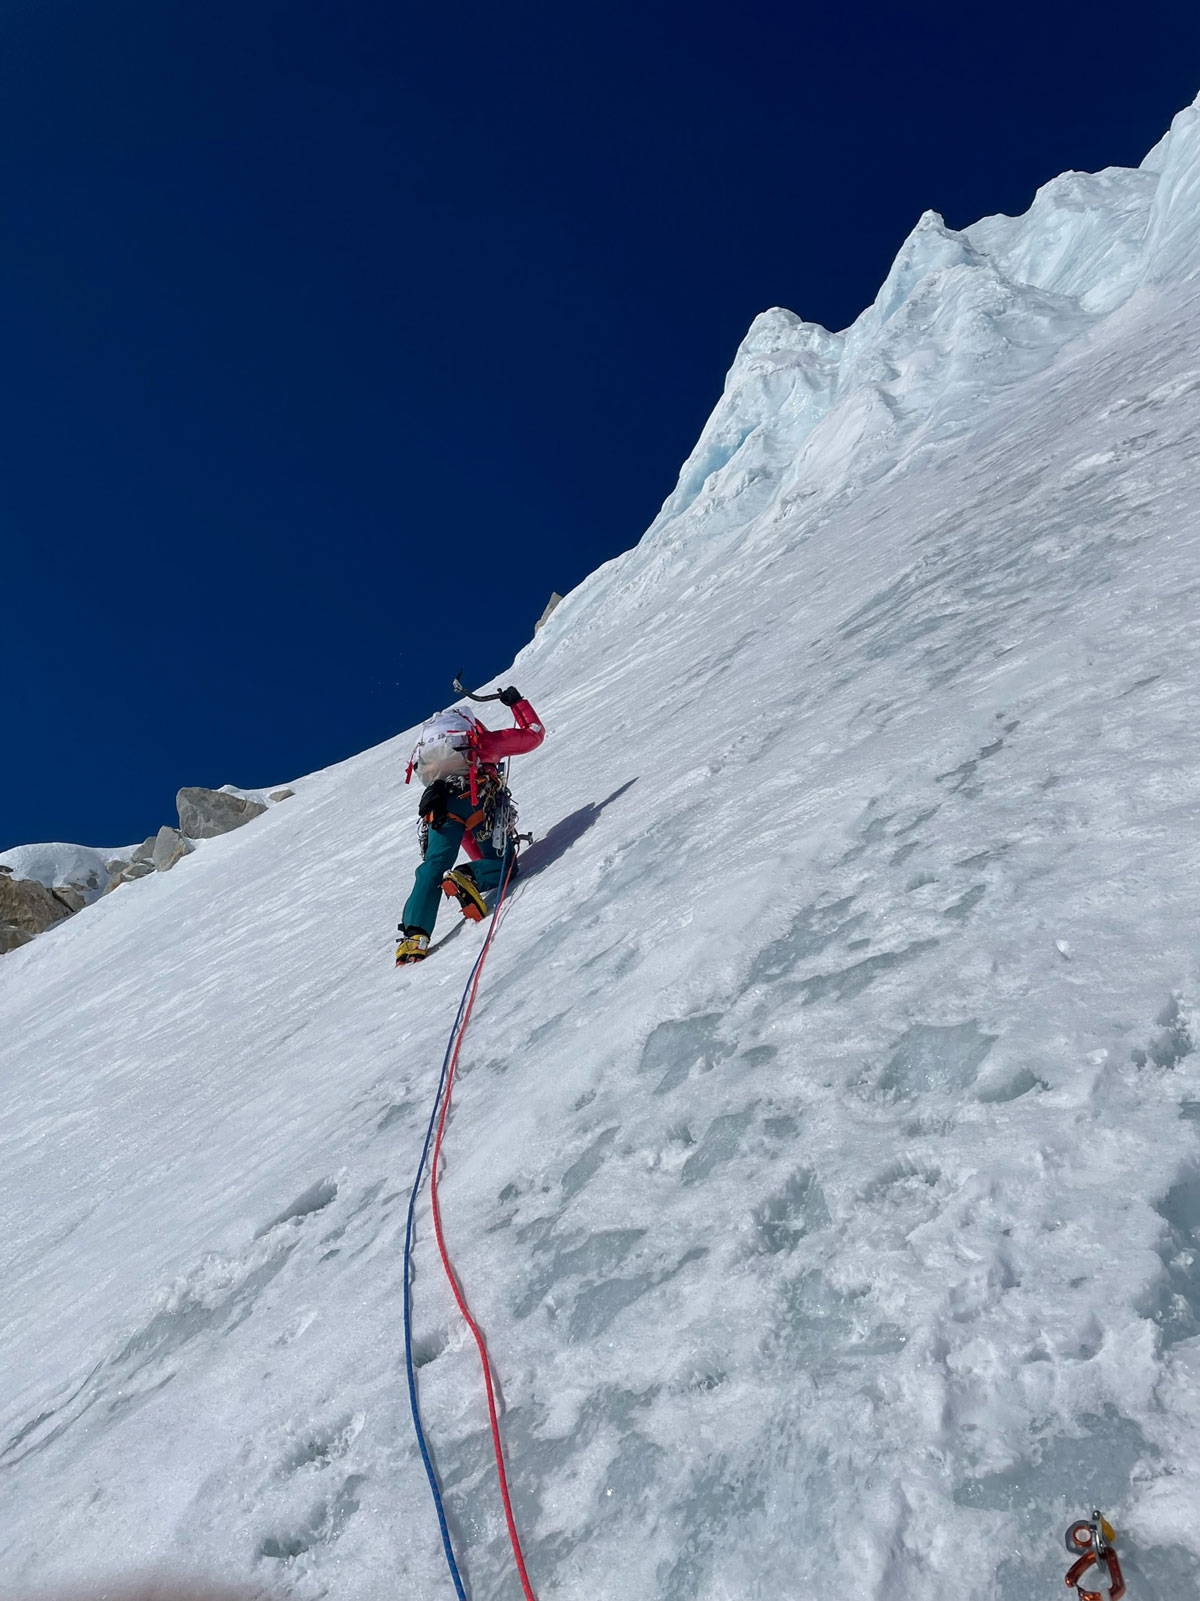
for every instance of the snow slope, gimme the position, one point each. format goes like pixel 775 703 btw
pixel 826 1164
pixel 56 864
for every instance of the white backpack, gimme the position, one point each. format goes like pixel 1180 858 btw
pixel 443 749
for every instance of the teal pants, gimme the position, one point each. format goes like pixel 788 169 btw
pixel 421 907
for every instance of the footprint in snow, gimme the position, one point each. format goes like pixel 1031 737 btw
pixel 324 1524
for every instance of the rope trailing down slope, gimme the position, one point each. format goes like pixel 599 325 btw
pixel 435 1134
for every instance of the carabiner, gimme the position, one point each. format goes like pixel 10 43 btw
pixel 1092 1541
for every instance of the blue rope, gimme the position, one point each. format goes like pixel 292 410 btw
pixel 414 1405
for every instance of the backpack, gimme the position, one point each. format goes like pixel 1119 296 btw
pixel 444 747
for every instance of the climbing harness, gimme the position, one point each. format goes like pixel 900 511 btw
pixel 1092 1540
pixel 494 816
pixel 434 1135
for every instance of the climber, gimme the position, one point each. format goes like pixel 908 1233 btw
pixel 465 802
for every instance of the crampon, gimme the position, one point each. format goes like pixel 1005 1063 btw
pixel 1092 1542
pixel 463 888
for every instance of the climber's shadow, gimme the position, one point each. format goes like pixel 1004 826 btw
pixel 546 851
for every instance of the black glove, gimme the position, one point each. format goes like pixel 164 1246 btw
pixel 434 803
pixel 510 696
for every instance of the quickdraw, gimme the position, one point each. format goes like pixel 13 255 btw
pixel 1092 1541
pixel 500 813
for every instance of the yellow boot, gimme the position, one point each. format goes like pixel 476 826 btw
pixel 412 948
pixel 459 883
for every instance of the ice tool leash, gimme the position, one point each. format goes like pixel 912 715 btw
pixel 434 1135
pixel 1092 1541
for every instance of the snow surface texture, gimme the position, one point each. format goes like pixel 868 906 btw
pixel 825 1165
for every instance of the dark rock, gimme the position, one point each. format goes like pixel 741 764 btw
pixel 73 896
pixel 29 907
pixel 139 867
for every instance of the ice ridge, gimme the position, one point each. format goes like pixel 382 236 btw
pixel 959 313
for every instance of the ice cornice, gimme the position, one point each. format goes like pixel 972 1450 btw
pixel 782 332
pixel 1173 237
pixel 930 247
pixel 1158 156
pixel 969 309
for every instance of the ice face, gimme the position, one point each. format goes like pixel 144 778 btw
pixel 958 311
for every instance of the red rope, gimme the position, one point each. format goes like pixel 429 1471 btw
pixel 514 1538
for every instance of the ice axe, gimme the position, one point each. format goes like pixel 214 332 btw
pixel 461 689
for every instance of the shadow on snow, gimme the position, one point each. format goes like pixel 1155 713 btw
pixel 568 831
pixel 545 852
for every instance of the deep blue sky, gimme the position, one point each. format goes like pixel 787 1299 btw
pixel 337 333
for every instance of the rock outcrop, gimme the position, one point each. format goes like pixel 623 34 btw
pixel 30 905
pixel 138 866
pixel 158 853
pixel 205 813
pixel 28 908
pixel 550 605
pixel 170 846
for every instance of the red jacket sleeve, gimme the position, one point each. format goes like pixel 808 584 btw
pixel 526 736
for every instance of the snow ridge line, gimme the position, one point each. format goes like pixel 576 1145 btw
pixel 440 1112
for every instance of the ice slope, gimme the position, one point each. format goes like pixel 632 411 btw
pixel 826 1163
